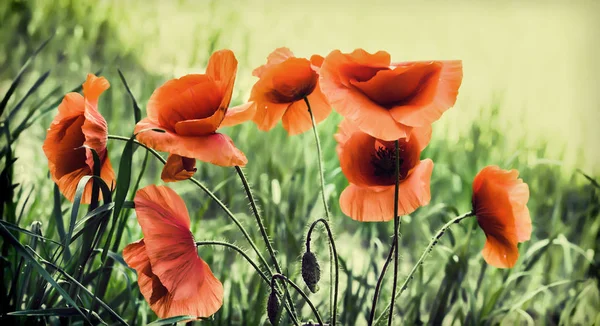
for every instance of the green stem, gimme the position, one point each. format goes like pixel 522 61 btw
pixel 427 250
pixel 379 283
pixel 320 158
pixel 263 231
pixel 299 290
pixel 396 230
pixel 322 179
pixel 334 256
pixel 239 251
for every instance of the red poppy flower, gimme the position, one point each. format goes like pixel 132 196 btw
pixel 369 165
pixel 279 93
pixel 384 99
pixel 78 123
pixel 190 110
pixel 500 204
pixel 171 276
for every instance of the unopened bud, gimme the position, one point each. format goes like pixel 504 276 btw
pixel 311 271
pixel 273 308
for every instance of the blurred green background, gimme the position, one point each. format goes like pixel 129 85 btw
pixel 529 100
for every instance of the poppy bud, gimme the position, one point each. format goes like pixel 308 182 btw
pixel 273 308
pixel 311 272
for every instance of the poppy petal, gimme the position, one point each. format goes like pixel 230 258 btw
pixel 178 168
pixel 222 67
pixel 268 114
pixel 500 252
pixel 296 119
pixel 165 222
pixel 276 57
pixel 215 148
pixel 191 97
pixel 239 114
pixel 428 105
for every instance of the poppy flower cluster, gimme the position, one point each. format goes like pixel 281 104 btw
pixel 382 103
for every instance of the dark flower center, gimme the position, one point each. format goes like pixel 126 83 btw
pixel 384 162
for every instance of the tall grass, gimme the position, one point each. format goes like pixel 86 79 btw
pixel 554 282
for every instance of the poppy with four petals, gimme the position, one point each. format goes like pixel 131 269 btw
pixel 77 124
pixel 369 165
pixel 500 205
pixel 284 82
pixel 171 276
pixel 190 110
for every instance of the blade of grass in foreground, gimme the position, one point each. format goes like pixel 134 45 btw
pixel 9 238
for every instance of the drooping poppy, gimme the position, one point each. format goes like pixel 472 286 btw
pixel 284 82
pixel 385 99
pixel 190 109
pixel 79 123
pixel 500 205
pixel 178 168
pixel 369 165
pixel 171 276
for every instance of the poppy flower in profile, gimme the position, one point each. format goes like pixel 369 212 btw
pixel 284 82
pixel 190 110
pixel 171 276
pixel 369 165
pixel 500 205
pixel 385 99
pixel 78 123
pixel 178 168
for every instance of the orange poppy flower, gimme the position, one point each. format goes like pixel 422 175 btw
pixel 171 276
pixel 279 93
pixel 500 204
pixel 78 123
pixel 190 110
pixel 369 165
pixel 178 168
pixel 384 99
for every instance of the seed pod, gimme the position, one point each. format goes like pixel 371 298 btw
pixel 273 308
pixel 311 271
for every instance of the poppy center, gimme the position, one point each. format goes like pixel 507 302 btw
pixel 383 161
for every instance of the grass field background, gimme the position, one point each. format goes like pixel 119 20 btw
pixel 529 100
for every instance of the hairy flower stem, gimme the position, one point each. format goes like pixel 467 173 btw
pixel 319 157
pixel 333 256
pixel 263 231
pixel 426 252
pixel 379 283
pixel 396 231
pixel 322 179
pixel 299 290
pixel 252 262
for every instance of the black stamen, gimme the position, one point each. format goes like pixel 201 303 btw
pixel 384 161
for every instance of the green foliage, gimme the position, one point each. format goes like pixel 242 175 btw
pixel 554 282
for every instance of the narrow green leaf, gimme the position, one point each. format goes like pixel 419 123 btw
pixel 13 227
pixel 173 320
pixel 62 312
pixel 40 269
pixel 137 113
pixel 123 181
pixel 31 90
pixel 17 80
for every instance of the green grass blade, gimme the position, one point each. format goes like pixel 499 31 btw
pixel 173 320
pixel 137 113
pixel 31 90
pixel 13 227
pixel 40 269
pixel 59 312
